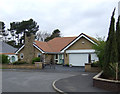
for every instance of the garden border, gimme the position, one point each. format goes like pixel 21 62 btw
pixel 111 85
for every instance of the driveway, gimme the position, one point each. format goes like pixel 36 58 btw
pixel 21 80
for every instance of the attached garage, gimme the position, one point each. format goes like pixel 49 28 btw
pixel 78 59
pixel 80 51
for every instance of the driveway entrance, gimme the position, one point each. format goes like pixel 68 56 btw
pixel 22 80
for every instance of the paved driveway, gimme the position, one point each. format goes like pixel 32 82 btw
pixel 35 80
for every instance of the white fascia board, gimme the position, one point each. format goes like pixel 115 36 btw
pixel 38 48
pixel 76 40
pixel 81 51
pixel 20 49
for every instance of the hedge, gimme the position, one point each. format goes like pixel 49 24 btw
pixel 4 59
pixel 36 59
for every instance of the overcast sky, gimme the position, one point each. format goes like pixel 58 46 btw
pixel 71 17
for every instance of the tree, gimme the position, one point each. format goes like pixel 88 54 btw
pixel 99 50
pixel 3 32
pixel 20 28
pixel 110 53
pixel 12 43
pixel 118 43
pixel 41 36
pixel 2 27
pixel 55 33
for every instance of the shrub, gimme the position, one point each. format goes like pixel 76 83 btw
pixel 4 59
pixel 19 62
pixel 66 65
pixel 95 64
pixel 36 59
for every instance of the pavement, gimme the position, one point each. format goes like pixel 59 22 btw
pixel 65 79
pixel 31 80
pixel 80 83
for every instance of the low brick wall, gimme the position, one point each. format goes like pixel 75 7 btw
pixel 111 85
pixel 88 68
pixel 25 66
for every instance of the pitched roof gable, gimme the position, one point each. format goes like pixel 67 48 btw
pixel 91 39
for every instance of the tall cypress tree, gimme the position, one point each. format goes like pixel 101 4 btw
pixel 118 42
pixel 110 50
pixel 118 37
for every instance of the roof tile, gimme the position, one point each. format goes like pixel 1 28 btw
pixel 57 44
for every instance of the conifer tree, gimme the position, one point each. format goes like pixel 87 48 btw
pixel 110 50
pixel 118 45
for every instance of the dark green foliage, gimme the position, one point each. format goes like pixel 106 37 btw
pixel 3 32
pixel 110 54
pixel 99 50
pixel 67 65
pixel 56 33
pixel 118 43
pixel 96 64
pixel 118 37
pixel 36 59
pixel 2 25
pixel 4 59
pixel 119 71
pixel 12 43
pixel 28 27
pixel 19 63
pixel 18 29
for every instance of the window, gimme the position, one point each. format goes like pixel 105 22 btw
pixel 56 56
pixel 21 56
pixel 39 54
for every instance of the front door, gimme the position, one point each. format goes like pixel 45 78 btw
pixel 60 59
pixel 56 58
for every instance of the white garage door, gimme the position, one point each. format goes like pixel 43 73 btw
pixel 78 59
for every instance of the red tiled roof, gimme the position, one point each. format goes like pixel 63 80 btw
pixel 7 53
pixel 54 45
pixel 57 44
pixel 43 45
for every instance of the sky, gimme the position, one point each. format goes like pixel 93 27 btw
pixel 71 17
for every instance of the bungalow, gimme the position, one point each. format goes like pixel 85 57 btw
pixel 9 51
pixel 64 50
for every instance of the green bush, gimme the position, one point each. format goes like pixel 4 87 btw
pixel 66 65
pixel 36 59
pixel 95 64
pixel 4 59
pixel 19 62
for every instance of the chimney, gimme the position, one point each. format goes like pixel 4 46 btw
pixel 29 39
pixel 29 49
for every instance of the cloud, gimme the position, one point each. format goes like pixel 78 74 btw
pixel 70 16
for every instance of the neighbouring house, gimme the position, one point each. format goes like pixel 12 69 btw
pixel 64 50
pixel 9 51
